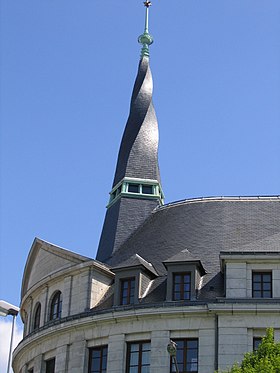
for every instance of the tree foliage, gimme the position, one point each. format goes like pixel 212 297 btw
pixel 266 359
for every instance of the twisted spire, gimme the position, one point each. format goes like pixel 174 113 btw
pixel 136 189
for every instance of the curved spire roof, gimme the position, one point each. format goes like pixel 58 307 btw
pixel 138 154
pixel 136 190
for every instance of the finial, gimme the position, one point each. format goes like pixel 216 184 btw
pixel 147 4
pixel 146 39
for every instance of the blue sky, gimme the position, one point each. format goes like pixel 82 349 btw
pixel 68 69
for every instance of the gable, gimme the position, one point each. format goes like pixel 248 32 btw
pixel 45 259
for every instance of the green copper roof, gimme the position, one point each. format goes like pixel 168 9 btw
pixel 146 39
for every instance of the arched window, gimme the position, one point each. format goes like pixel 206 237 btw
pixel 56 306
pixel 37 316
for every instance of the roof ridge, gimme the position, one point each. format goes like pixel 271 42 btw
pixel 218 199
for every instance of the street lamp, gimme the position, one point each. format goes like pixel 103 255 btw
pixel 172 350
pixel 5 310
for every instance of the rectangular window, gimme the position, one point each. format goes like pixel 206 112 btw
pixel 127 291
pixel 262 285
pixel 138 357
pixel 98 359
pixel 181 286
pixel 133 188
pixel 256 342
pixel 147 189
pixel 50 366
pixel 186 355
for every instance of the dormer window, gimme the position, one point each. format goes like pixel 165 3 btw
pixel 127 291
pixel 251 274
pixel 132 280
pixel 261 285
pixel 184 276
pixel 182 286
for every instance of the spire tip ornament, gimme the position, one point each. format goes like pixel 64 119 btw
pixel 146 39
pixel 147 4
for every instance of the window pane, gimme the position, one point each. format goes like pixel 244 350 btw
pixel 147 189
pixel 180 356
pixel 267 277
pixel 50 365
pixel 177 279
pixel 133 188
pixel 180 344
pixel 133 370
pixel 192 343
pixel 256 277
pixel 257 286
pixel 96 365
pixel 191 355
pixel 134 357
pixel 145 357
pixel 266 294
pixel 266 286
pixel 256 342
pixel 186 295
pixel 98 359
pixel 192 367
pixel 134 347
pixel 96 354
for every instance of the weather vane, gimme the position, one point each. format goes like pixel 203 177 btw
pixel 146 39
pixel 147 4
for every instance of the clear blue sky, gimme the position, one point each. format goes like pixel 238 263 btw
pixel 68 69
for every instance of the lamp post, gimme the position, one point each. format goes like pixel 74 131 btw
pixel 172 350
pixel 5 310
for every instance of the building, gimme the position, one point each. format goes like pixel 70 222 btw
pixel 202 272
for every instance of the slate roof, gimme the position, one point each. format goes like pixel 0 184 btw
pixel 138 154
pixel 135 261
pixel 204 227
pixel 138 158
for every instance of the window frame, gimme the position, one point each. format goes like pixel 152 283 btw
pixel 262 282
pixel 140 364
pixel 130 298
pixel 52 367
pixel 56 306
pixel 181 283
pixel 185 352
pixel 256 342
pixel 37 316
pixel 102 349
